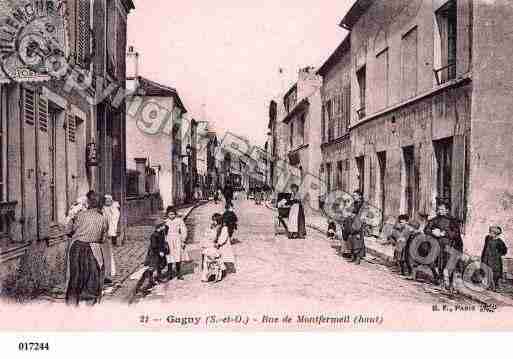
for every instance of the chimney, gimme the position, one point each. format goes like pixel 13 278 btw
pixel 132 64
pixel 308 82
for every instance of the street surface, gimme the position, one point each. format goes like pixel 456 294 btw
pixel 273 269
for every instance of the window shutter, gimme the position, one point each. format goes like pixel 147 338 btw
pixel 43 114
pixel 72 127
pixel 29 106
pixel 84 33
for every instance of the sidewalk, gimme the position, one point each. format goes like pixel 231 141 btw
pixel 130 256
pixel 375 247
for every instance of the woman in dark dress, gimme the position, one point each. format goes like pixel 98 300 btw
pixel 86 266
pixel 494 249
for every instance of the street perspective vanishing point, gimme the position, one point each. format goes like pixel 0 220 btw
pixel 167 168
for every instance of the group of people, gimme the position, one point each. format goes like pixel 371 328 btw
pixel 167 248
pixel 351 230
pixel 92 229
pixel 443 232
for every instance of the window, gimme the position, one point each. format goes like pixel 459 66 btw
pixel 323 124
pixel 329 113
pixel 291 134
pixel 361 76
pixel 381 80
pixel 346 113
pixel 302 121
pixel 443 154
pixel 409 63
pixel 445 43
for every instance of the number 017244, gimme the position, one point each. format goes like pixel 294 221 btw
pixel 33 346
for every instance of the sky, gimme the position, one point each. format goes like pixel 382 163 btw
pixel 224 56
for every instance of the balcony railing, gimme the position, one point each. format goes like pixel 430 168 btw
pixel 361 113
pixel 444 74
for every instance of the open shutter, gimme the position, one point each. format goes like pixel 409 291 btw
pixel 43 114
pixel 72 160
pixel 84 32
pixel 43 164
pixel 28 106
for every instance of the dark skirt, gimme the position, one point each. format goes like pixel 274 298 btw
pixel 86 277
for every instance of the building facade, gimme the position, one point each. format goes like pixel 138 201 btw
pixel 296 137
pixel 429 97
pixel 154 132
pixel 62 136
pixel 335 120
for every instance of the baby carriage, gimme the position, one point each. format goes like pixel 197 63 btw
pixel 282 217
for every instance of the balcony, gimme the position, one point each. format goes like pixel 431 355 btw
pixel 444 74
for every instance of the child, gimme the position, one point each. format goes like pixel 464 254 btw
pixel 405 260
pixel 332 229
pixel 494 249
pixel 212 265
pixel 398 237
pixel 155 258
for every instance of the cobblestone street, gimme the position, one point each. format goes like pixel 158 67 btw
pixel 273 269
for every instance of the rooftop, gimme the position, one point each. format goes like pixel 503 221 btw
pixel 344 47
pixel 147 87
pixel 354 14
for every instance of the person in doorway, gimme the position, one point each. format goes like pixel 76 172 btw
pixel 493 251
pixel 296 224
pixel 112 213
pixel 446 230
pixel 88 230
pixel 176 237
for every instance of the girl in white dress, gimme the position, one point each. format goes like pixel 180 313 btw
pixel 176 238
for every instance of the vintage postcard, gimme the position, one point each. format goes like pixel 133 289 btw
pixel 342 165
